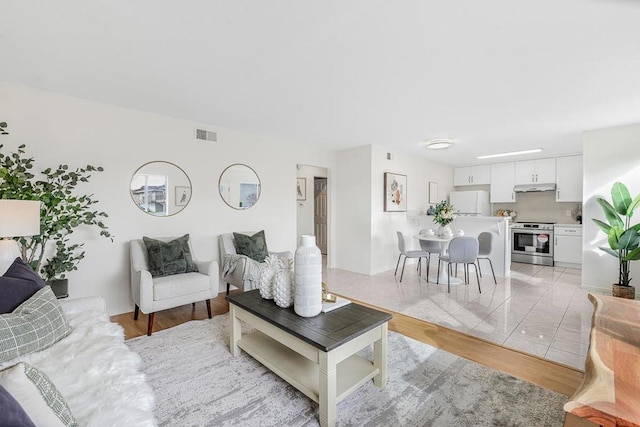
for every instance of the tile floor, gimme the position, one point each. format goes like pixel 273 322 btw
pixel 539 310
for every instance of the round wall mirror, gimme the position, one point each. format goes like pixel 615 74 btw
pixel 239 186
pixel 160 188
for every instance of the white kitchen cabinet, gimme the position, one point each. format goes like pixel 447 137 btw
pixel 541 171
pixel 567 251
pixel 503 177
pixel 569 179
pixel 472 175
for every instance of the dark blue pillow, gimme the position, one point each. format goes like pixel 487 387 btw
pixel 17 285
pixel 12 413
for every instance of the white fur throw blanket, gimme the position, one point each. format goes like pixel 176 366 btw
pixel 99 377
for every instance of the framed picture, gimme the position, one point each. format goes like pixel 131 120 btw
pixel 183 195
pixel 301 188
pixel 433 192
pixel 395 192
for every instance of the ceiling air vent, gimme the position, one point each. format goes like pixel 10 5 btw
pixel 206 135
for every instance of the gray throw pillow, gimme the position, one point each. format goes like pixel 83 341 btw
pixel 255 247
pixel 36 324
pixel 167 258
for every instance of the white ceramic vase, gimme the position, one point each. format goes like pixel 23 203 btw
pixel 445 231
pixel 308 278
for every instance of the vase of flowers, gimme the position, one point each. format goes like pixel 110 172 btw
pixel 443 217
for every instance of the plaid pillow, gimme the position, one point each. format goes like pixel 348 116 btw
pixel 35 325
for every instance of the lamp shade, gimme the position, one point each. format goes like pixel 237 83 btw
pixel 19 218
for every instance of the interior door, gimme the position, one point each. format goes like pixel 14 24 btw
pixel 320 213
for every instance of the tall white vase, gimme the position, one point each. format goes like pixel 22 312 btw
pixel 308 278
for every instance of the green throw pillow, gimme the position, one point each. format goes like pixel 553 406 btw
pixel 255 247
pixel 167 258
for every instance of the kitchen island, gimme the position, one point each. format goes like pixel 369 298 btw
pixel 498 226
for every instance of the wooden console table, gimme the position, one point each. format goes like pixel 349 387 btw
pixel 610 391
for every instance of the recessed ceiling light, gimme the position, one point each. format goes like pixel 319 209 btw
pixel 511 153
pixel 439 144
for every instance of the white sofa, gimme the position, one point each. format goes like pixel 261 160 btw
pixel 98 375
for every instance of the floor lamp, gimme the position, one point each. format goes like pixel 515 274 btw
pixel 18 218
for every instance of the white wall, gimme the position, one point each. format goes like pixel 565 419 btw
pixel 60 129
pixel 353 210
pixel 610 155
pixel 367 235
pixel 419 172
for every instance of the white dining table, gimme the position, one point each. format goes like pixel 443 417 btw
pixel 444 246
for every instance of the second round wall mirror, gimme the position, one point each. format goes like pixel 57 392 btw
pixel 239 186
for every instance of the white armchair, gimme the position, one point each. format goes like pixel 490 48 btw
pixel 152 294
pixel 239 270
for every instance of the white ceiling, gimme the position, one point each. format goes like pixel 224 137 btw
pixel 494 75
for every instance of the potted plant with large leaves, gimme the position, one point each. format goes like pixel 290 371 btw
pixel 623 238
pixel 51 253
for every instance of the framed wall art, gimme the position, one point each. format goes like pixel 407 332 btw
pixel 395 192
pixel 433 192
pixel 183 195
pixel 301 188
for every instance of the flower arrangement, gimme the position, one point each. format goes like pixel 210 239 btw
pixel 444 213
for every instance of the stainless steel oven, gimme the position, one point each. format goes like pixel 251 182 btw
pixel 532 243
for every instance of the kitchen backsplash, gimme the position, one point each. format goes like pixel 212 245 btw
pixel 540 207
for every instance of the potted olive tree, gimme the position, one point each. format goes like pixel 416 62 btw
pixel 623 238
pixel 62 211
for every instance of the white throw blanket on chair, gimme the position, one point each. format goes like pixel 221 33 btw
pixel 252 269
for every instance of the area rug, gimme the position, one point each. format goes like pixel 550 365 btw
pixel 198 383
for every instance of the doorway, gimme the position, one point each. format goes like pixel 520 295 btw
pixel 320 213
pixel 313 210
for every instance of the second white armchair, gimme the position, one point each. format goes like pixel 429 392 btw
pixel 240 270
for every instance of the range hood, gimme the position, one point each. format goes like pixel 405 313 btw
pixel 526 188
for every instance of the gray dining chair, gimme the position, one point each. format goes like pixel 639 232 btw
pixel 408 254
pixel 485 238
pixel 429 246
pixel 462 250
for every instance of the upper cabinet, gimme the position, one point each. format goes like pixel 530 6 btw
pixel 503 178
pixel 536 171
pixel 569 179
pixel 472 175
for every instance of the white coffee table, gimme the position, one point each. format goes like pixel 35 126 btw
pixel 316 355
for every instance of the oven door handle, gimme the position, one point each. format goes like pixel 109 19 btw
pixel 525 231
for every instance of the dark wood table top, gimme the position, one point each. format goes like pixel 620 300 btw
pixel 325 331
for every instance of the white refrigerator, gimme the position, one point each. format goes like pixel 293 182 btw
pixel 470 203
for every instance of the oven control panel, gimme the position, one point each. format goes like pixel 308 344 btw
pixel 533 225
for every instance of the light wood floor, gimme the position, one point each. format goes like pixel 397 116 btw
pixel 536 370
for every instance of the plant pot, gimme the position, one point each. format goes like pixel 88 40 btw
pixel 628 292
pixel 60 287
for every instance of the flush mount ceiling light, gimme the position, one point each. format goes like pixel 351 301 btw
pixel 511 153
pixel 438 144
